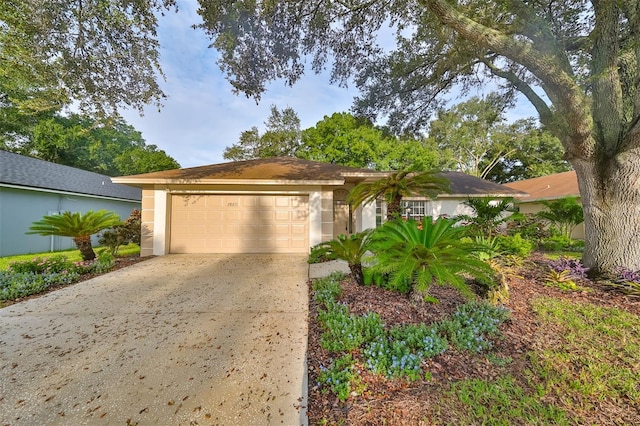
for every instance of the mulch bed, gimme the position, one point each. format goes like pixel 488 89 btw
pixel 397 402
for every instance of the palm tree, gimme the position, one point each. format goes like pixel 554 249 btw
pixel 488 213
pixel 398 184
pixel 426 253
pixel 350 249
pixel 566 213
pixel 78 226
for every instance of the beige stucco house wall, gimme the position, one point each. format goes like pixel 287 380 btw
pixel 547 188
pixel 317 189
pixel 275 205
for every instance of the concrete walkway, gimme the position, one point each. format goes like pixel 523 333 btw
pixel 174 340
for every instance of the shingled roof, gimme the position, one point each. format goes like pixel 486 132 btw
pixel 263 169
pixel 295 170
pixel 22 171
pixel 548 187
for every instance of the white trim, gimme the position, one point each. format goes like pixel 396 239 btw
pixel 195 181
pixel 497 195
pixel 224 192
pixel 315 218
pixel 55 191
pixel 160 224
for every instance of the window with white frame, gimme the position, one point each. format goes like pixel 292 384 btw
pixel 414 209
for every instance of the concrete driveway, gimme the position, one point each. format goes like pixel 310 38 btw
pixel 178 339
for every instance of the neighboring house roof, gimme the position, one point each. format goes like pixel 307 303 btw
pixel 21 171
pixel 548 187
pixel 295 171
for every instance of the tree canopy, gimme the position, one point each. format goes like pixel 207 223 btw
pixel 281 138
pixel 108 146
pixel 100 54
pixel 473 137
pixel 575 61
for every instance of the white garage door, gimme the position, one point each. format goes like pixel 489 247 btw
pixel 239 224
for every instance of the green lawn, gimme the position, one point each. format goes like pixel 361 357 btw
pixel 72 254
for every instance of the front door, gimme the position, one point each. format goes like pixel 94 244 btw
pixel 340 218
pixel 341 213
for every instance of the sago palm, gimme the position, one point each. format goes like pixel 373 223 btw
pixel 432 253
pixel 488 214
pixel 78 226
pixel 393 188
pixel 350 249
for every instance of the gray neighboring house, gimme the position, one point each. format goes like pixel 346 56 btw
pixel 32 188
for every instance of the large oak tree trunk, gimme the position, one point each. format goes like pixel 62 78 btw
pixel 610 193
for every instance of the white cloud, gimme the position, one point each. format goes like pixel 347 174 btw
pixel 202 116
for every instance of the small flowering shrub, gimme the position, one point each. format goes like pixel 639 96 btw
pixel 573 266
pixel 53 264
pixel 400 351
pixel 104 262
pixel 61 278
pixel 326 290
pixel 400 354
pixel 14 285
pixel 341 377
pixel 345 332
pixel 33 276
pixel 472 323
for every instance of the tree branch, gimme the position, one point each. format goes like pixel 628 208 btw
pixel 546 115
pixel 569 98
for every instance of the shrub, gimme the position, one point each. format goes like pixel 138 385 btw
pixel 104 262
pixel 393 358
pixel 557 243
pixel 516 245
pixel 574 267
pixel 431 252
pixel 61 278
pixel 122 234
pixel 327 290
pixel 488 215
pixel 564 213
pixel 345 332
pixel 14 285
pixel 383 280
pixel 400 354
pixel 529 226
pixel 471 323
pixel 319 254
pixel 351 249
pixel 38 265
pixel 487 247
pixel 341 377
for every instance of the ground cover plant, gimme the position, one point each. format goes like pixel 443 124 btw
pixel 561 357
pixel 28 275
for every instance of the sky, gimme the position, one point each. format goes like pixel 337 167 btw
pixel 202 116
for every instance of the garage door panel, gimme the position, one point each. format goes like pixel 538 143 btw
pixel 239 224
pixel 213 216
